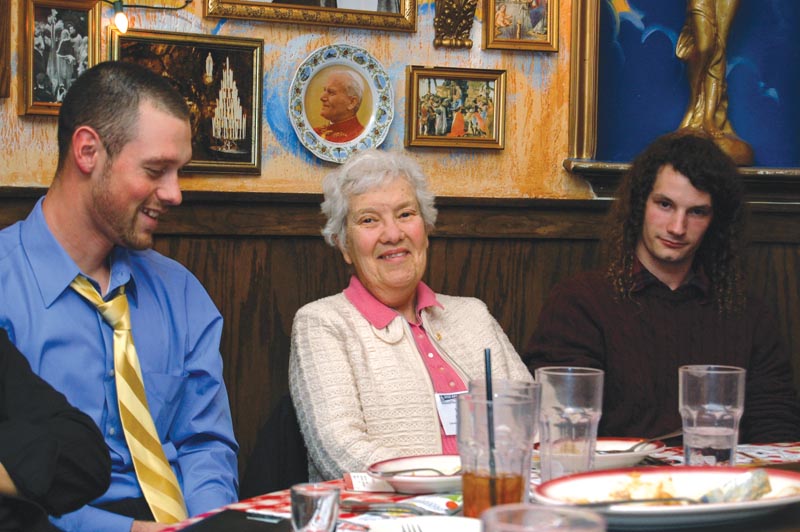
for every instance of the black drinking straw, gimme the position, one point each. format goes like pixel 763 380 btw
pixel 487 354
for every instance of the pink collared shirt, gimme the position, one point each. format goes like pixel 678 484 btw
pixel 443 377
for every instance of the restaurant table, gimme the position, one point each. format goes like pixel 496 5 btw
pixel 779 456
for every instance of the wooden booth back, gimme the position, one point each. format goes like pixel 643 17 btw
pixel 261 257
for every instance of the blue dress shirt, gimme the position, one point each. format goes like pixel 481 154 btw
pixel 176 330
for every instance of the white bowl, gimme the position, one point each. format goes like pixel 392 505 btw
pixel 421 481
pixel 626 459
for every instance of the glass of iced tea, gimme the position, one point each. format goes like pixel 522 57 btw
pixel 495 438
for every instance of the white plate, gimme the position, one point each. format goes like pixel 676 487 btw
pixel 687 482
pixel 617 460
pixel 429 523
pixel 421 481
pixel 377 106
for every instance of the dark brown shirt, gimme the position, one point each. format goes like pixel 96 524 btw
pixel 641 341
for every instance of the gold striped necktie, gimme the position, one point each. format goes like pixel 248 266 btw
pixel 158 481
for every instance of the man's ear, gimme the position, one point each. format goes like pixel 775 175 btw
pixel 87 149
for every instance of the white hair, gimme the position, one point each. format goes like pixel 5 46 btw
pixel 365 171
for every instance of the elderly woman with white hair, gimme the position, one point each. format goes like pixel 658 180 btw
pixel 373 369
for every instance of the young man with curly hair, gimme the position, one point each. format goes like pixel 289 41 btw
pixel 673 293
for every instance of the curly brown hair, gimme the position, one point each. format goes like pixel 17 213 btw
pixel 709 170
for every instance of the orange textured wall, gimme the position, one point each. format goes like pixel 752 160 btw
pixel 536 110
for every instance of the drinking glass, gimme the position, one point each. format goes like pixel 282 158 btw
pixel 571 404
pixel 315 507
pixel 533 518
pixel 495 439
pixel 505 388
pixel 711 402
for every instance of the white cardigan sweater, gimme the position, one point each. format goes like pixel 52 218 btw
pixel 363 394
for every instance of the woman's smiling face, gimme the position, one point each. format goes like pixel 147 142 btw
pixel 387 242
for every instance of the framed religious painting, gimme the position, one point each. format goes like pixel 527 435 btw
pixel 521 25
pixel 635 76
pixel 455 107
pixel 392 15
pixel 58 41
pixel 220 79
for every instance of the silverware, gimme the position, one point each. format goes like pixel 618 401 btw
pixel 389 474
pixel 350 505
pixel 641 443
pixel 671 501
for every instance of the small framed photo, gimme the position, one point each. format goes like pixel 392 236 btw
pixel 521 25
pixel 59 41
pixel 455 107
pixel 220 79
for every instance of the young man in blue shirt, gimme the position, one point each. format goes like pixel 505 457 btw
pixel 123 134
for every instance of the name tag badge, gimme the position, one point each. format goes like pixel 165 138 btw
pixel 447 405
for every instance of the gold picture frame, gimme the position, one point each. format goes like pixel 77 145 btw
pixel 58 41
pixel 201 67
pixel 399 15
pixel 521 25
pixel 5 48
pixel 455 107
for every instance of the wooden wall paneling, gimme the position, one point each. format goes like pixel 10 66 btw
pixel 774 275
pixel 261 258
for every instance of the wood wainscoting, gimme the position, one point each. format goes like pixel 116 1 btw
pixel 261 257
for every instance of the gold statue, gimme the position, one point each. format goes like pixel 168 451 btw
pixel 702 45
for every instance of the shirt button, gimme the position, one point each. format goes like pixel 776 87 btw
pixel 430 355
pixel 452 384
pixel 112 431
pixel 441 368
pixel 111 373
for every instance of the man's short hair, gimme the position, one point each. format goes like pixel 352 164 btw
pixel 710 170
pixel 107 98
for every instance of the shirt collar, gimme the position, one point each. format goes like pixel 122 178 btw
pixel 642 278
pixel 52 266
pixel 378 314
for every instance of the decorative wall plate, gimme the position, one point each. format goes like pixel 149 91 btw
pixel 337 141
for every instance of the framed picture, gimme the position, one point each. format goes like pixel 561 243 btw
pixel 616 59
pixel 220 78
pixel 60 39
pixel 521 25
pixel 5 48
pixel 396 15
pixel 455 107
pixel 340 102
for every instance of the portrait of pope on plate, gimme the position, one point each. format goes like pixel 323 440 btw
pixel 338 104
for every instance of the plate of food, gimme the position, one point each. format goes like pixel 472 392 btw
pixel 755 493
pixel 613 453
pixel 428 523
pixel 437 473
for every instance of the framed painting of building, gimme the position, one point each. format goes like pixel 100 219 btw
pixel 220 79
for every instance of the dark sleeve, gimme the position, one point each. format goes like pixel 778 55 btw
pixel 771 411
pixel 53 452
pixel 568 332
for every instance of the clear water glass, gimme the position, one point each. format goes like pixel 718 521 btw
pixel 315 507
pixel 711 402
pixel 535 518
